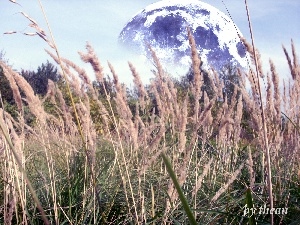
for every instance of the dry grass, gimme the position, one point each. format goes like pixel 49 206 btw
pixel 115 176
pixel 179 126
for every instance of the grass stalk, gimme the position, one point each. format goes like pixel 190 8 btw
pixel 182 197
pixel 250 205
pixel 31 189
pixel 91 166
pixel 63 71
pixel 265 136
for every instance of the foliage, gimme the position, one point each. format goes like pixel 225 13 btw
pixel 39 79
pixel 6 92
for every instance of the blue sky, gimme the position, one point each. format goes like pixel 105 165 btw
pixel 74 22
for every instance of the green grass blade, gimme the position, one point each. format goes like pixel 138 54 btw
pixel 249 203
pixel 182 198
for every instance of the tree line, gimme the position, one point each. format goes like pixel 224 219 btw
pixel 38 80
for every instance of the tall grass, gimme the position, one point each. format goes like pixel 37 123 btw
pixel 263 117
pixel 97 158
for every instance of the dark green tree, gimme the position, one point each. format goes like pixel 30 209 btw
pixel 39 79
pixel 6 92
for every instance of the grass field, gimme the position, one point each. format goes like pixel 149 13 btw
pixel 98 154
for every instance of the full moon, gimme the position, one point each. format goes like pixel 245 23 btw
pixel 163 25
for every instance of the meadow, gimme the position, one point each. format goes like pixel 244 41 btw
pixel 172 152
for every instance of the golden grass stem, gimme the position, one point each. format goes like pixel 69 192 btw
pixel 121 146
pixel 63 71
pixel 31 189
pixel 91 166
pixel 267 150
